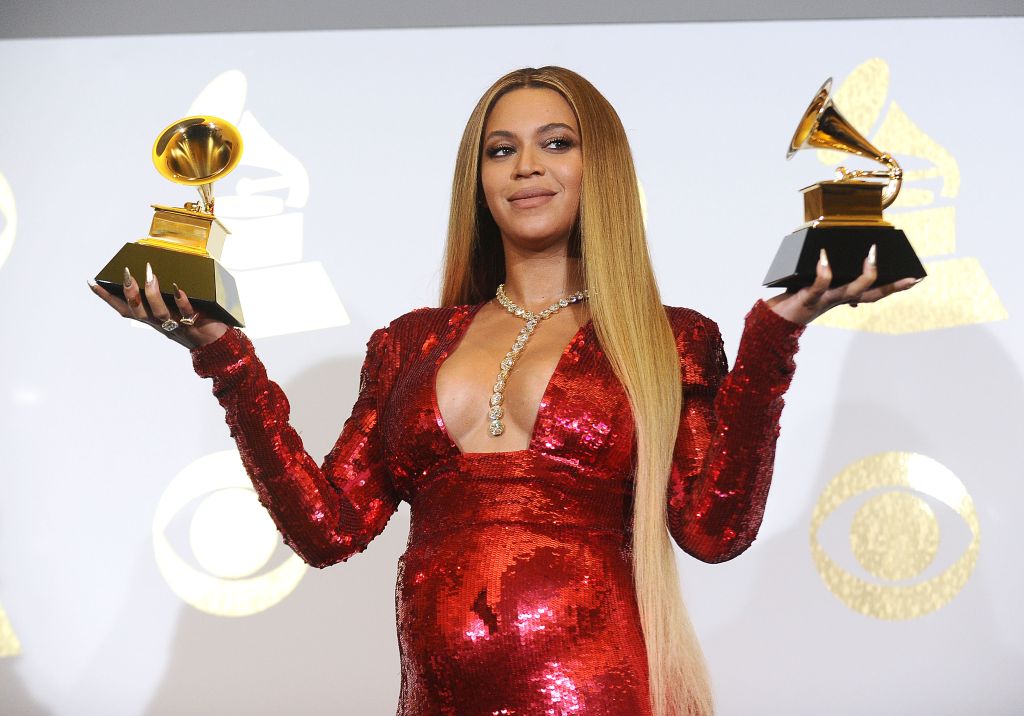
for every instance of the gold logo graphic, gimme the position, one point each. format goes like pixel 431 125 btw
pixel 9 644
pixel 895 535
pixel 957 291
pixel 231 536
pixel 8 220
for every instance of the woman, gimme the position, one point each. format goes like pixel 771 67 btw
pixel 539 575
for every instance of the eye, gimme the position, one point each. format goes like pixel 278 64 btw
pixel 210 509
pixel 500 150
pixel 559 144
pixel 912 536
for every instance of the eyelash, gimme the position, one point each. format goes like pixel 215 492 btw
pixel 493 152
pixel 565 142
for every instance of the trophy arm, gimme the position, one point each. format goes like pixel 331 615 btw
pixel 893 172
pixel 206 197
pixel 895 183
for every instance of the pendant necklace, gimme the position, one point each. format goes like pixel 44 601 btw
pixel 496 411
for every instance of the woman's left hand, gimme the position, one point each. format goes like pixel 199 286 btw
pixel 808 303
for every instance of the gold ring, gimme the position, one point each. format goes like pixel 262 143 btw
pixel 189 320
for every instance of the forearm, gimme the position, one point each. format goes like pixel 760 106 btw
pixel 726 446
pixel 326 514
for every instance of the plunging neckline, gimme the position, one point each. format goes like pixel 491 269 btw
pixel 453 345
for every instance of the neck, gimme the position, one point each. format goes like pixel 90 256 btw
pixel 535 281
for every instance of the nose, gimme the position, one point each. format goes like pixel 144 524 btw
pixel 528 162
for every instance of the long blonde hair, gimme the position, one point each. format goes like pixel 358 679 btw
pixel 634 333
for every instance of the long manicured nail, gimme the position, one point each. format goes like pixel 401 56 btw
pixel 823 259
pixel 177 291
pixel 127 278
pixel 872 255
pixel 92 284
pixel 149 274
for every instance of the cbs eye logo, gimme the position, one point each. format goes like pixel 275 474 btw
pixel 889 501
pixel 231 537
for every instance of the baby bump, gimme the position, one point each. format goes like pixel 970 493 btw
pixel 520 609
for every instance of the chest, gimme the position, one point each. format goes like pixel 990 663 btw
pixel 472 389
pixel 564 401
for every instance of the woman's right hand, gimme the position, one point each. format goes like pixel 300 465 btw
pixel 204 330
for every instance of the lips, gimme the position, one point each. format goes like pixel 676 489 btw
pixel 527 198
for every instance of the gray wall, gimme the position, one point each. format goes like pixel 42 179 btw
pixel 59 18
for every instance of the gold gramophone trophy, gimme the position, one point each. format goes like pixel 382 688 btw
pixel 843 216
pixel 184 243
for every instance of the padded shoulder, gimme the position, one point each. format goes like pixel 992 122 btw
pixel 699 342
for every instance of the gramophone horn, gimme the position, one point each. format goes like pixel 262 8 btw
pixel 823 127
pixel 196 151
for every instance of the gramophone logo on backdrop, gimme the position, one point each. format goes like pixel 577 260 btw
pixel 957 291
pixel 9 644
pixel 281 293
pixel 232 538
pixel 904 510
pixel 8 220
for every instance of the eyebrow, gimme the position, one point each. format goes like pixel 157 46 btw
pixel 540 130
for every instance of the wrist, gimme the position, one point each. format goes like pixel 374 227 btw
pixel 210 334
pixel 789 311
pixel 207 338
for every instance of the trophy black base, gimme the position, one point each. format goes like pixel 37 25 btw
pixel 796 263
pixel 210 288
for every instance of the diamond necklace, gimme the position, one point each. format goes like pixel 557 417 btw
pixel 496 411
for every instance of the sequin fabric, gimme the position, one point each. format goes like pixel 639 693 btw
pixel 515 595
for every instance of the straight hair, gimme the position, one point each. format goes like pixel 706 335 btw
pixel 633 330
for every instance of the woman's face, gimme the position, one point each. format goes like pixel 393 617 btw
pixel 531 167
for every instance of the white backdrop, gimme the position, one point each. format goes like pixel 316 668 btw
pixel 120 591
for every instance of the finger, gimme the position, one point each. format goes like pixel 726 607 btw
pixel 868 276
pixel 133 298
pixel 882 291
pixel 822 279
pixel 182 302
pixel 904 283
pixel 156 301
pixel 110 299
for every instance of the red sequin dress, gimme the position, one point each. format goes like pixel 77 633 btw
pixel 515 594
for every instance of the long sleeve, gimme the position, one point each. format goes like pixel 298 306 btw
pixel 725 448
pixel 326 513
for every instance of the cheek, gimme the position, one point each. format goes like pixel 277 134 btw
pixel 573 184
pixel 572 173
pixel 489 187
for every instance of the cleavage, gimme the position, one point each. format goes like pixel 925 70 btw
pixel 465 380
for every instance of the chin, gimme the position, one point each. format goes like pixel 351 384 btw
pixel 538 241
pixel 541 233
